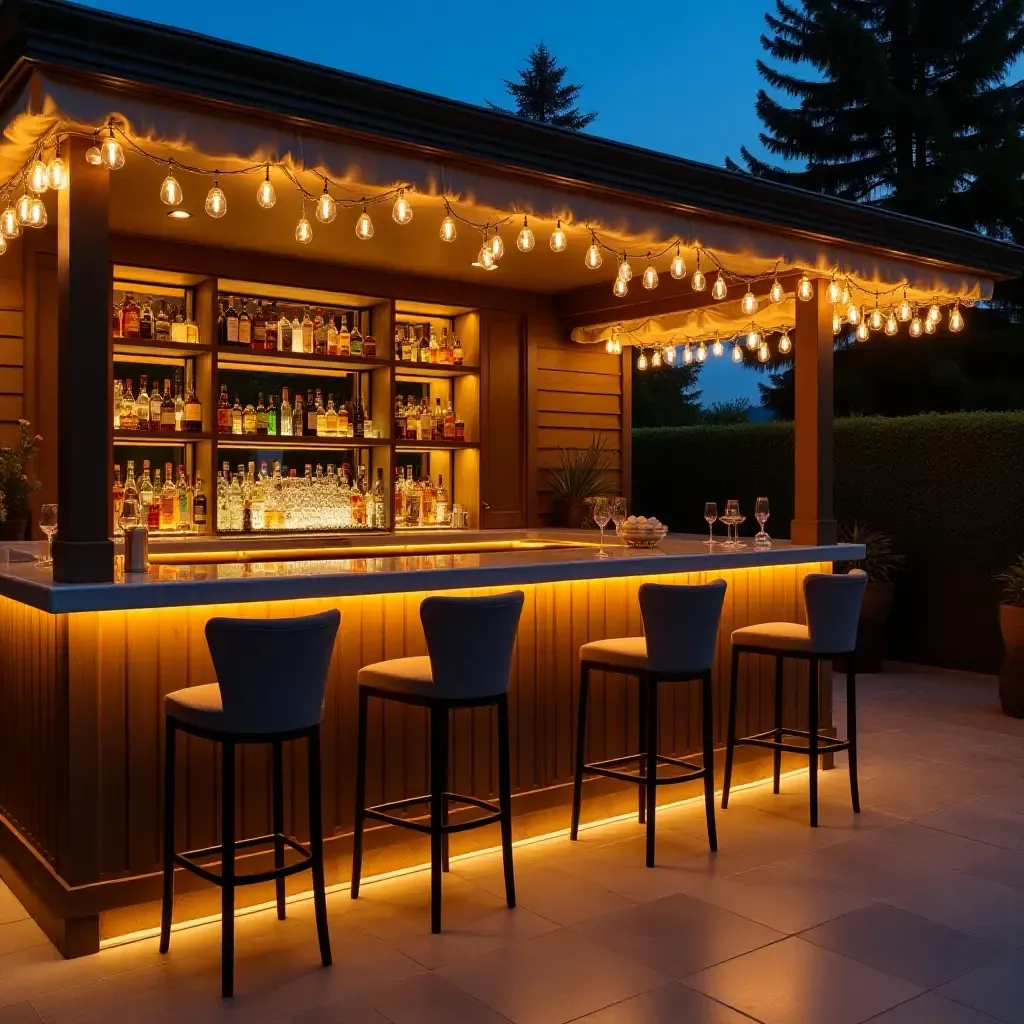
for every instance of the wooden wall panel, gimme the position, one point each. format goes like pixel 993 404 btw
pixel 12 344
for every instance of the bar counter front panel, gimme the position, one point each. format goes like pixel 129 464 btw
pixel 81 737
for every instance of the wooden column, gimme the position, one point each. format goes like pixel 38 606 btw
pixel 83 551
pixel 813 448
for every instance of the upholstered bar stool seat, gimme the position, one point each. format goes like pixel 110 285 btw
pixel 782 636
pixel 404 675
pixel 627 652
pixel 200 706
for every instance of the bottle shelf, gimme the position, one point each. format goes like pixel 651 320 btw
pixel 137 347
pixel 428 446
pixel 413 372
pixel 145 438
pixel 229 356
pixel 308 443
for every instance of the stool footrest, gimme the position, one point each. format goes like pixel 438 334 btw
pixel 826 744
pixel 600 768
pixel 187 859
pixel 379 812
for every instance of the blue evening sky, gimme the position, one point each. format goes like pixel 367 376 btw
pixel 677 78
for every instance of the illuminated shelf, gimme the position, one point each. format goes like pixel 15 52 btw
pixel 136 347
pixel 301 362
pixel 429 371
pixel 308 443
pixel 428 446
pixel 145 438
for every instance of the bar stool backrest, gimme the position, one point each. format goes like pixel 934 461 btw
pixel 681 625
pixel 470 641
pixel 272 672
pixel 833 609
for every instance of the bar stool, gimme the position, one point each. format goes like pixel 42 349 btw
pixel 680 631
pixel 271 680
pixel 469 645
pixel 833 609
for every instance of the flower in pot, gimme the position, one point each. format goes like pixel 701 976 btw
pixel 17 485
pixel 1011 625
pixel 581 473
pixel 880 561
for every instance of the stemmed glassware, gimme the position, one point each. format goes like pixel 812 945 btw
pixel 618 512
pixel 710 516
pixel 601 510
pixel 761 539
pixel 732 519
pixel 48 524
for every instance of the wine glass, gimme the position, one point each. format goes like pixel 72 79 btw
pixel 731 519
pixel 710 515
pixel 129 514
pixel 618 512
pixel 761 514
pixel 48 524
pixel 601 510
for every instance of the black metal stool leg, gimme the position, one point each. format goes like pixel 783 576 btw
pixel 444 723
pixel 437 784
pixel 227 871
pixel 581 743
pixel 168 865
pixel 730 737
pixel 505 799
pixel 777 755
pixel 360 820
pixel 651 783
pixel 278 820
pixel 708 723
pixel 851 731
pixel 316 846
pixel 642 731
pixel 812 728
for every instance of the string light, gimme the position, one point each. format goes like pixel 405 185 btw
pixel 956 319
pixel 763 353
pixel 525 242
pixel 863 331
pixel 853 314
pixel 891 325
pixel 719 290
pixel 837 322
pixel 448 228
pixel 876 317
pixel 402 210
pixel 620 287
pixel 650 278
pixel 58 173
pixel 593 259
pixel 717 348
pixel 777 294
pixel 930 326
pixel 38 177
pixel 170 190
pixel 905 311
pixel 737 354
pixel 934 313
pixel 753 338
pixel 265 194
pixel 834 292
pixel 216 201
pixel 670 354
pixel 656 358
pixel 3 245
pixel 10 226
pixel 687 354
pixel 625 271
pixel 304 230
pixel 558 241
pixel 111 153
pixel 702 352
pixel 497 246
pixel 677 268
pixel 364 226
pixel 748 304
pixel 93 156
pixel 804 289
pixel 24 209
pixel 485 257
pixel 641 363
pixel 697 282
pixel 785 344
pixel 916 326
pixel 326 207
pixel 844 299
pixel 37 214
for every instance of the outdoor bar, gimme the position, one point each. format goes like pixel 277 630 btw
pixel 365 322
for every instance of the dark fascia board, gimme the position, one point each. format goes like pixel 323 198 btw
pixel 120 52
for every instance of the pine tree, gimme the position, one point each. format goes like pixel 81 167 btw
pixel 540 95
pixel 910 107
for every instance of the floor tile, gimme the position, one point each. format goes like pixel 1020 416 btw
pixel 797 982
pixel 10 908
pixel 674 1003
pixel 904 945
pixel 678 935
pixel 551 979
pixel 995 988
pixel 19 935
pixel 932 1009
pixel 347 1011
pixel 1003 866
pixel 980 821
pixel 19 1013
pixel 430 999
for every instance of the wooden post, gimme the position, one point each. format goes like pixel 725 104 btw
pixel 83 551
pixel 814 473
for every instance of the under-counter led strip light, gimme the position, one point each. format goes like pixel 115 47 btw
pixel 301 897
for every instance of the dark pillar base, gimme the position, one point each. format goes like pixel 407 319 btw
pixel 813 531
pixel 83 561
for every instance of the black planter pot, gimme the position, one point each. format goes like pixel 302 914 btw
pixel 14 528
pixel 1011 675
pixel 568 515
pixel 874 613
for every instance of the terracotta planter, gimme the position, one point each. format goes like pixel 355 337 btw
pixel 874 613
pixel 1011 677
pixel 14 528
pixel 568 515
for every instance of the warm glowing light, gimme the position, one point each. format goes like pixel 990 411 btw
pixel 778 292
pixel 641 362
pixel 93 156
pixel 37 214
pixel 58 172
pixel 670 354
pixel 179 214
pixel 837 323
pixel 785 344
pixel 762 352
pixel 863 332
pixel 216 201
pixel 930 326
pixel 38 177
pixel 956 319
pixel 719 290
pixel 853 314
pixel 23 207
pixel 702 352
pixel 891 324
pixel 656 358
pixel 753 338
pixel 525 242
pixel 364 226
pixel 485 257
pixel 625 271
pixel 677 268
pixel 698 282
pixel 326 207
pixel 304 230
pixel 618 347
pixel 934 313
pixel 805 289
pixel 497 246
pixel 876 320
pixel 593 258
pixel 916 326
pixel 558 240
pixel 905 310
pixel 170 190
pixel 687 354
pixel 620 287
pixel 650 278
pixel 844 299
pixel 3 245
pixel 717 348
pixel 609 346
pixel 265 194
pixel 401 212
pixel 10 226
pixel 748 304
pixel 111 153
pixel 737 354
pixel 834 292
pixel 448 229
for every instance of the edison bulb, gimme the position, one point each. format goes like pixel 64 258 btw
pixel 762 352
pixel 719 290
pixel 737 354
pixel 485 257
pixel 58 173
pixel 609 346
pixel 844 299
pixel 785 344
pixel 934 313
pixel 687 354
pixel 916 327
pixel 24 209
pixel 956 320
pixel 37 215
pixel 593 258
pixel 677 268
pixel 497 247
pixel 304 230
pixel 717 348
pixel 326 207
pixel 905 311
pixel 170 190
pixel 3 245
pixel 216 202
pixel 641 363
pixel 702 352
pixel 805 289
pixel 625 271
pixel 558 240
pixel 10 226
pixel 525 242
pixel 618 347
pixel 777 293
pixel 111 153
pixel 834 291
pixel 837 324
pixel 863 333
pixel 748 304
pixel 876 319
pixel 38 177
pixel 930 326
pixel 364 226
pixel 656 358
pixel 650 278
pixel 402 210
pixel 670 354
pixel 93 156
pixel 448 231
pixel 891 325
pixel 698 282
pixel 620 287
pixel 265 194
pixel 853 314
pixel 753 339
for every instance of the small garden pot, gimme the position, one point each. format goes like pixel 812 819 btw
pixel 568 514
pixel 874 613
pixel 1011 677
pixel 14 528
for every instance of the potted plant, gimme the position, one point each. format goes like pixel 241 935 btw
pixel 581 473
pixel 1011 625
pixel 16 483
pixel 879 562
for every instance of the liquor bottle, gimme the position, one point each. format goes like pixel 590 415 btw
pixel 286 414
pixel 194 411
pixel 231 323
pixel 332 336
pixel 355 341
pixel 412 421
pixel 179 332
pixel 244 326
pixel 129 413
pixel 146 496
pixel 399 496
pixel 441 513
pixel 444 347
pixel 156 404
pixel 222 324
pixel 199 507
pixel 380 516
pixel 234 503
pixel 259 328
pixel 247 484
pixel 438 422
pixel 271 343
pixel 449 422
pixel 115 323
pixel 358 417
pixel 249 419
pixel 460 429
pixel 261 416
pixel 369 347
pixel 118 496
pixel 307 331
pixel 426 422
pixel 344 421
pixel 258 498
pixel 146 324
pixel 344 337
pixel 428 503
pixel 142 405
pixel 191 330
pixel 399 334
pixel 327 420
pixel 118 398
pixel 407 336
pixel 284 334
pixel 130 317
pixel 153 512
pixel 434 348
pixel 399 419
pixel 184 497
pixel 311 412
pixel 424 353
pixel 297 334
pixel 319 333
pixel 224 411
pixel 168 500
pixel 272 416
pixel 131 488
pixel 298 418
pixel 179 404
pixel 237 417
pixel 167 423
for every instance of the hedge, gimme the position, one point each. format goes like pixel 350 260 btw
pixel 948 488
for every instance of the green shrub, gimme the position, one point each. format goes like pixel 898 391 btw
pixel 948 489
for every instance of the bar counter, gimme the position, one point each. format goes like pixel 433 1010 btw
pixel 84 669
